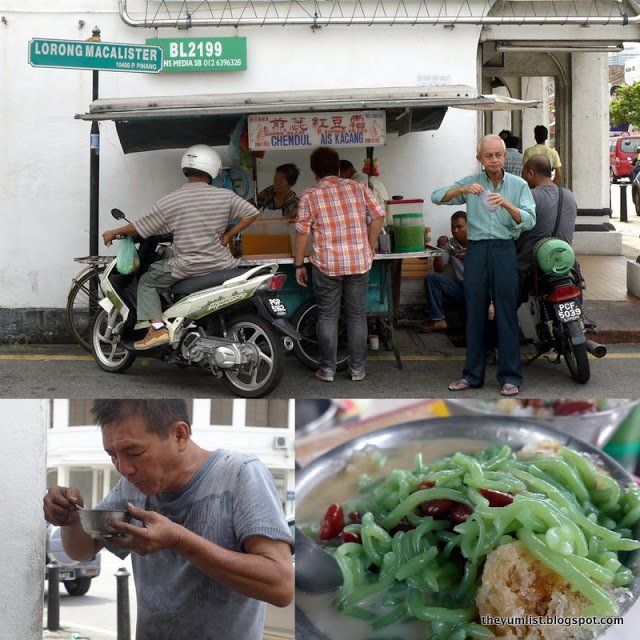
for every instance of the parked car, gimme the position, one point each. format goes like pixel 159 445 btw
pixel 76 575
pixel 622 151
pixel 279 623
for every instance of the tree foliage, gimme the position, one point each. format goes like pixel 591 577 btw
pixel 626 106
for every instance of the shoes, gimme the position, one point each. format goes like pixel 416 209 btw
pixel 324 376
pixel 509 390
pixel 432 326
pixel 154 338
pixel 357 377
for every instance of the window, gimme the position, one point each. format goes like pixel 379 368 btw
pixel 267 413
pixel 82 479
pixel 52 477
pixel 80 413
pixel 221 412
pixel 281 488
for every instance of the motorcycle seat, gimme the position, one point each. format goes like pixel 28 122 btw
pixel 206 281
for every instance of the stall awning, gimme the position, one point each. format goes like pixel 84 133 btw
pixel 173 122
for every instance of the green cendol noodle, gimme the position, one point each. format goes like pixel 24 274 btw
pixel 570 515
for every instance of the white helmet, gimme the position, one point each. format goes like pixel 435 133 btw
pixel 202 158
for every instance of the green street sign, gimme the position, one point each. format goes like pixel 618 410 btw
pixel 101 56
pixel 202 54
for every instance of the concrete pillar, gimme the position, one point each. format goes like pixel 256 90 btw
pixel 23 482
pixel 533 88
pixel 589 127
pixel 501 119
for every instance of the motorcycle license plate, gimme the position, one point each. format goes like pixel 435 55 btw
pixel 277 307
pixel 568 311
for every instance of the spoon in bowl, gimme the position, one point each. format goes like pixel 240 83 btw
pixel 316 570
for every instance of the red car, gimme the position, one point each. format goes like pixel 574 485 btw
pixel 622 150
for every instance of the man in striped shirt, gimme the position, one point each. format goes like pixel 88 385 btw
pixel 345 218
pixel 197 215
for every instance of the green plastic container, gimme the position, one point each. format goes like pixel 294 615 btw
pixel 554 256
pixel 408 232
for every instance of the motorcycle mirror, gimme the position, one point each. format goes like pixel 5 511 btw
pixel 118 215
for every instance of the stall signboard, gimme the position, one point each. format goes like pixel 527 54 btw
pixel 202 54
pixel 306 130
pixel 99 56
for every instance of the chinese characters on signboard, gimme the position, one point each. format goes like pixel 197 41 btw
pixel 302 130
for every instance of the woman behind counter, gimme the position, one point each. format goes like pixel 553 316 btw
pixel 279 200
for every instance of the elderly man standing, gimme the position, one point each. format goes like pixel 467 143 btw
pixel 499 207
pixel 345 218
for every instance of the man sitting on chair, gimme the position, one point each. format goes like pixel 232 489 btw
pixel 445 281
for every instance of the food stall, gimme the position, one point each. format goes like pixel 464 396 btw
pixel 297 120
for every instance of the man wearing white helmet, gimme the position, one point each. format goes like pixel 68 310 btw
pixel 197 215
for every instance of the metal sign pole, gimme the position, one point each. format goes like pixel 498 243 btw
pixel 94 167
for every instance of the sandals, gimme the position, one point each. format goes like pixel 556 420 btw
pixel 460 385
pixel 509 390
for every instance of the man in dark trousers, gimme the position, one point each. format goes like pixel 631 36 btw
pixel 499 207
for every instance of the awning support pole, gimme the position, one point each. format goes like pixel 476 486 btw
pixel 94 169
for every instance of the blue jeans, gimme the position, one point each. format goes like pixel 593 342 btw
pixel 490 271
pixel 438 286
pixel 329 290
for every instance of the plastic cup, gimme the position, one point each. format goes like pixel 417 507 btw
pixel 484 196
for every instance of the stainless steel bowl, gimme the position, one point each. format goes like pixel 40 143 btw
pixel 502 429
pixel 95 521
pixel 314 414
pixel 596 427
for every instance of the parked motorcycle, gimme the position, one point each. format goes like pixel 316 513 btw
pixel 230 322
pixel 551 318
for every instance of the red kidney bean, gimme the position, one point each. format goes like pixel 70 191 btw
pixel 426 485
pixel 347 536
pixel 437 509
pixel 573 407
pixel 332 523
pixel 496 498
pixel 403 525
pixel 355 517
pixel 459 513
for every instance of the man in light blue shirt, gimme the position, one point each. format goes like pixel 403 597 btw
pixel 499 207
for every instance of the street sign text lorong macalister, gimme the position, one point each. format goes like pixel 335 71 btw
pixel 106 56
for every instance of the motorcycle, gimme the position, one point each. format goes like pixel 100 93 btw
pixel 551 317
pixel 230 322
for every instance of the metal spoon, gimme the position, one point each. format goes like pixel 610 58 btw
pixel 316 570
pixel 76 505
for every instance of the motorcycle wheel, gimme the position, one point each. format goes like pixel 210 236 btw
pixel 576 357
pixel 108 353
pixel 307 350
pixel 258 381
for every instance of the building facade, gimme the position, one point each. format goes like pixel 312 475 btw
pixel 338 44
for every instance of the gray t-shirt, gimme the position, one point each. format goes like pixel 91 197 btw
pixel 546 199
pixel 231 497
